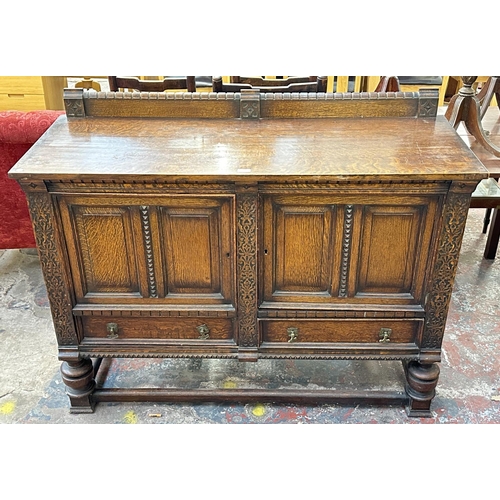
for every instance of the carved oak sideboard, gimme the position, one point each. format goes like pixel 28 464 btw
pixel 246 226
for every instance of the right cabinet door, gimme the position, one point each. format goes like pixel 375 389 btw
pixel 355 248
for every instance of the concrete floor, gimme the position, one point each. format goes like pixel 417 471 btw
pixel 31 390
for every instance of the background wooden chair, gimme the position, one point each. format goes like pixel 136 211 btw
pixel 415 83
pixel 465 114
pixel 489 93
pixel 149 85
pixel 388 84
pixel 409 84
pixel 290 84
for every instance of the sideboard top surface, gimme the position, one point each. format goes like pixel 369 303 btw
pixel 244 150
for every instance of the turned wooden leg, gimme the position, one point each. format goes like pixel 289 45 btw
pixel 79 379
pixel 421 382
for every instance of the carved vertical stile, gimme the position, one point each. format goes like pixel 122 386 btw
pixel 146 233
pixel 246 237
pixel 53 267
pixel 445 267
pixel 346 249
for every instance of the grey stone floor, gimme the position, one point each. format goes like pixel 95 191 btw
pixel 31 390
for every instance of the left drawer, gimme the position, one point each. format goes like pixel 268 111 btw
pixel 179 328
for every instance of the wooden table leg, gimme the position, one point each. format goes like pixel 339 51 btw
pixel 493 236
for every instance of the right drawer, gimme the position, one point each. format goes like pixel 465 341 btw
pixel 365 331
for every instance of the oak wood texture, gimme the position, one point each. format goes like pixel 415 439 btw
pixel 355 331
pixel 316 238
pixel 341 148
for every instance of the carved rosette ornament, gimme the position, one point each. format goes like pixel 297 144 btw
pixel 247 269
pixel 445 269
pixel 53 270
pixel 250 104
pixel 428 103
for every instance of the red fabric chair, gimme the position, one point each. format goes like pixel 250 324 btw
pixel 19 130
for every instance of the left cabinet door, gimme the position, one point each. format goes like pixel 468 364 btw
pixel 166 250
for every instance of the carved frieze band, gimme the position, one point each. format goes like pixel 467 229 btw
pixel 53 268
pixel 121 354
pixel 148 186
pixel 163 96
pixel 445 269
pixel 334 96
pixel 396 357
pixel 247 269
pixel 346 249
pixel 231 96
pixel 279 313
pixel 146 233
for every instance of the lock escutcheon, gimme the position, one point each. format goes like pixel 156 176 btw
pixel 204 332
pixel 385 335
pixel 112 329
pixel 293 334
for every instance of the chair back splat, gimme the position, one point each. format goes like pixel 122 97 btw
pixel 290 84
pixel 169 83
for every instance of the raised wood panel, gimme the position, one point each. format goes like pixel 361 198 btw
pixel 196 237
pixel 297 248
pixel 391 249
pixel 192 236
pixel 388 249
pixel 302 258
pixel 106 254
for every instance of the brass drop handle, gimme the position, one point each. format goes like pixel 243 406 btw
pixel 385 335
pixel 112 329
pixel 204 332
pixel 293 334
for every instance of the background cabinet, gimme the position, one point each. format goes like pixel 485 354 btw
pixel 31 93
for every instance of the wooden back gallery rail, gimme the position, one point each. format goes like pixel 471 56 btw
pixel 250 226
pixel 249 104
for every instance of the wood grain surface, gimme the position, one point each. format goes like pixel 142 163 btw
pixel 350 148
